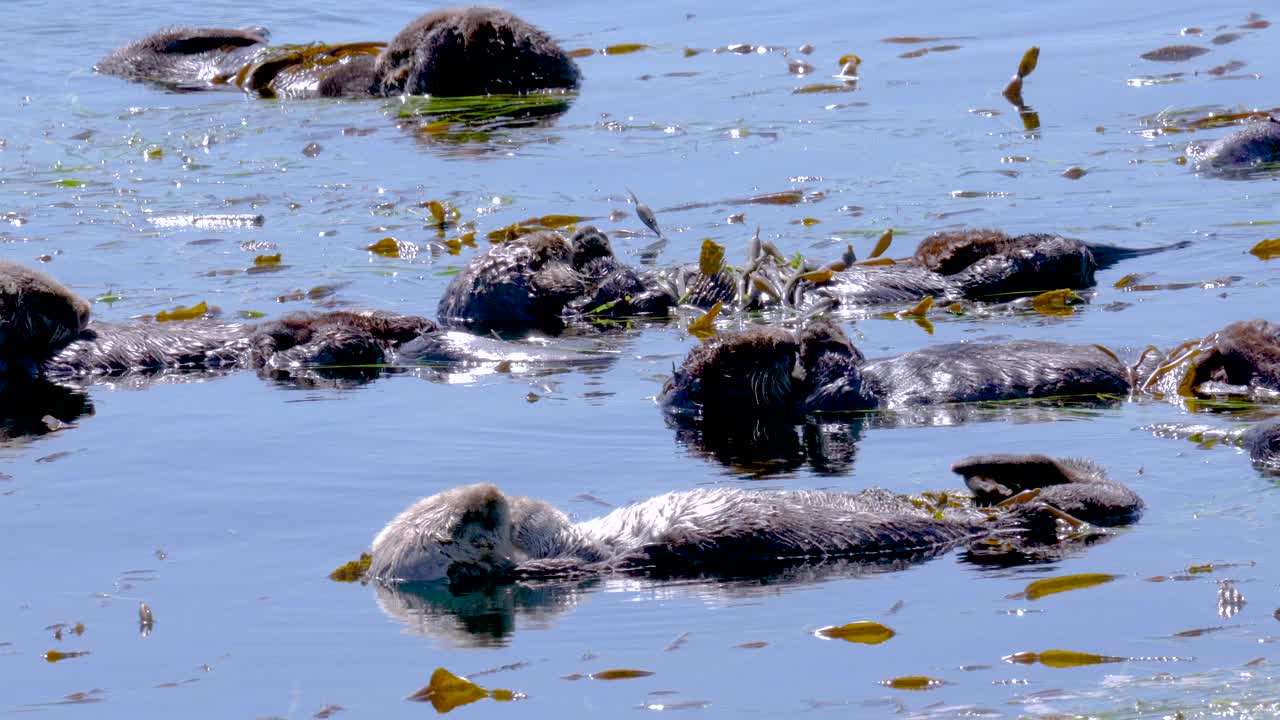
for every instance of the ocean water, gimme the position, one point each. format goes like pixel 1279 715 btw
pixel 223 503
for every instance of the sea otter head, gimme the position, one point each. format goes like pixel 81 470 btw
pixel 472 51
pixel 1245 353
pixel 463 535
pixel 831 368
pixel 38 317
pixel 519 285
pixel 744 373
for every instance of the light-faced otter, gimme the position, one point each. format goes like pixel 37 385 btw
pixel 479 534
pixel 448 52
pixel 769 372
pixel 1256 144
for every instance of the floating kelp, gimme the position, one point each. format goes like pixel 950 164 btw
pixel 390 247
pixel 447 691
pixel 1056 302
pixel 866 632
pixel 1266 249
pixel 914 682
pixel 54 656
pixel 711 259
pixel 1013 90
pixel 619 674
pixel 352 571
pixel 1174 53
pixel 484 111
pixel 704 327
pixel 1062 658
pixel 183 313
pixel 1066 583
pixel 914 40
pixel 882 244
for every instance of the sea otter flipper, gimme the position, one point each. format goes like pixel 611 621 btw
pixel 1074 486
pixel 186 57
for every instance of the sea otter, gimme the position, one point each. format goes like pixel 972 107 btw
pixel 477 533
pixel 1256 144
pixel 770 372
pixel 45 332
pixel 775 373
pixel 1262 441
pixel 448 52
pixel 38 317
pixel 541 280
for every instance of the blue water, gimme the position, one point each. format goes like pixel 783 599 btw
pixel 224 504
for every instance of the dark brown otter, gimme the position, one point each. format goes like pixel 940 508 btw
pixel 767 372
pixel 448 52
pixel 38 317
pixel 1242 359
pixel 478 533
pixel 974 264
pixel 472 51
pixel 45 332
pixel 540 280
pixel 1255 145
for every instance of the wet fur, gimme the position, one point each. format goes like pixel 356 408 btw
pixel 38 317
pixel 472 51
pixel 448 52
pixel 477 533
pixel 823 371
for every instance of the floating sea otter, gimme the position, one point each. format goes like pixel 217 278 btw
pixel 479 534
pixel 774 373
pixel 1255 146
pixel 451 52
pixel 45 332
pixel 539 280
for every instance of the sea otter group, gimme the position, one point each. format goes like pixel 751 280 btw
pixel 544 281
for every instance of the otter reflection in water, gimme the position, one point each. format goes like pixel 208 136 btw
pixel 542 280
pixel 445 53
pixel 479 534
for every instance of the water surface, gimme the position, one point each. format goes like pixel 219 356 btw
pixel 224 504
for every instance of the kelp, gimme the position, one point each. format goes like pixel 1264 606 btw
pixel 352 571
pixel 485 111
pixel 1065 583
pixel 447 691
pixel 865 632
pixel 183 313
